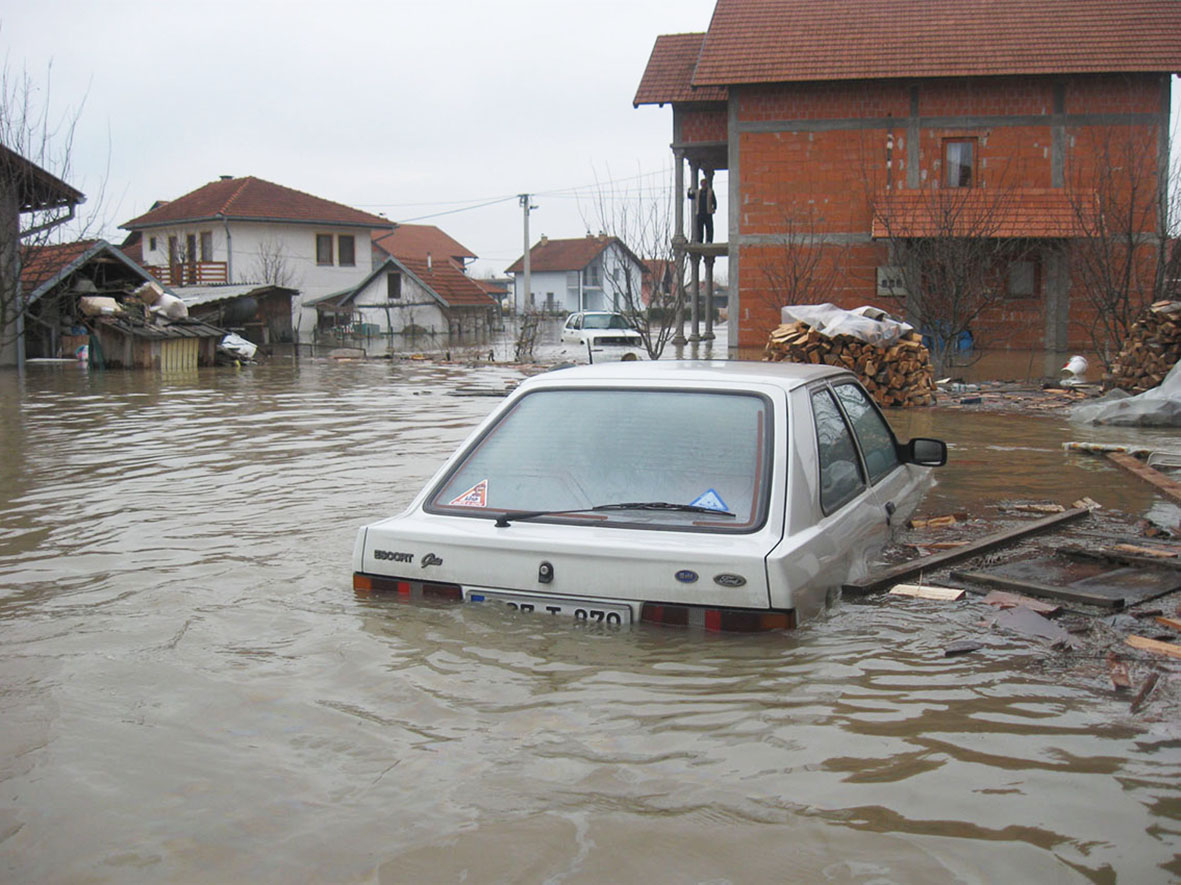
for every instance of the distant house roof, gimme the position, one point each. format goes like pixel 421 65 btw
pixel 442 280
pixel 559 255
pixel 36 189
pixel 43 267
pixel 776 41
pixel 253 199
pixel 198 296
pixel 419 241
pixel 669 74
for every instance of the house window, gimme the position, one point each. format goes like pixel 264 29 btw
pixel 191 248
pixel 1023 279
pixel 151 244
pixel 345 250
pixel 959 161
pixel 594 278
pixel 206 245
pixel 393 286
pixel 323 248
pixel 173 251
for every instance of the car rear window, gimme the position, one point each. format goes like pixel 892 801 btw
pixel 581 448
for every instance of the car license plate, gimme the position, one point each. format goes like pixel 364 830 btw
pixel 580 610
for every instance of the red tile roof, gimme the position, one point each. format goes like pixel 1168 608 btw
pixel 669 74
pixel 252 199
pixel 773 41
pixel 553 255
pixel 420 240
pixel 449 282
pixel 41 263
pixel 1031 213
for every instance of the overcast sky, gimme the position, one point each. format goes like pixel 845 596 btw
pixel 405 109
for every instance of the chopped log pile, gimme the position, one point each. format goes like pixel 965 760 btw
pixel 899 374
pixel 1152 348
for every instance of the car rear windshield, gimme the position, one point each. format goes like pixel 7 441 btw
pixel 564 450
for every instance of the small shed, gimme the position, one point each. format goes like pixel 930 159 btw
pixel 129 342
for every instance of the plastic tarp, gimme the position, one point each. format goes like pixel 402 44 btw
pixel 869 324
pixel 1159 407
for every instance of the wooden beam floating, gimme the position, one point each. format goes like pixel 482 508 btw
pixel 1168 487
pixel 906 570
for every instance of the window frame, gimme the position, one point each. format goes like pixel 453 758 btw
pixel 393 286
pixel 1035 283
pixel 323 240
pixel 341 239
pixel 972 166
pixel 206 245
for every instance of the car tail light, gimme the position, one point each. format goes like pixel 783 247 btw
pixel 722 620
pixel 367 585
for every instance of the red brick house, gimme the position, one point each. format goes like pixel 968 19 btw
pixel 861 136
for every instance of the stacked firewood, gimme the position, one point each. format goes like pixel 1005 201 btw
pixel 1152 347
pixel 895 375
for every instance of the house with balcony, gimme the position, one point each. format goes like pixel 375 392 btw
pixel 960 164
pixel 586 273
pixel 251 234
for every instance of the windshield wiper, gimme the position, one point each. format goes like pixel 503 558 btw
pixel 505 518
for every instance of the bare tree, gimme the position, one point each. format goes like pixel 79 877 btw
pixel 805 266
pixel 641 218
pixel 37 205
pixel 271 265
pixel 953 249
pixel 1120 199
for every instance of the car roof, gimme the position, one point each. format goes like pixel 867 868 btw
pixel 735 372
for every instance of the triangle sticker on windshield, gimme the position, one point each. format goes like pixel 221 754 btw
pixel 476 496
pixel 710 500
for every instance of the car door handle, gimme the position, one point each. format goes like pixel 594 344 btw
pixel 890 508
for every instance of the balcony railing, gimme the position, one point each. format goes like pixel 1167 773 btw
pixel 190 273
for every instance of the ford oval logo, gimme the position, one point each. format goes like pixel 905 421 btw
pixel 729 580
pixel 686 576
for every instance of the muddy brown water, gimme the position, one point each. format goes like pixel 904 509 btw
pixel 190 691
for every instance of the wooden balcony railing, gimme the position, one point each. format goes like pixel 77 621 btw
pixel 190 273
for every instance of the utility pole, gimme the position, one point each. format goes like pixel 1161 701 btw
pixel 526 206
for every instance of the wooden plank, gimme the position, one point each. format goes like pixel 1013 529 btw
pixel 1170 488
pixel 1174 623
pixel 1036 589
pixel 1146 644
pixel 903 571
pixel 927 591
pixel 1108 554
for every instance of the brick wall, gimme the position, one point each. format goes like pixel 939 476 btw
pixel 804 161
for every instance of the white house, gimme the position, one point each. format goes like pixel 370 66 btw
pixel 247 230
pixel 408 301
pixel 588 273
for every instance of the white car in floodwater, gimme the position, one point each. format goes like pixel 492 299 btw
pixel 603 334
pixel 724 496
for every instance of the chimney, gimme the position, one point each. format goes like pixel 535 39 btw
pixel 543 241
pixel 428 260
pixel 226 177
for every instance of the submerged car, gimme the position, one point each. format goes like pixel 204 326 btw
pixel 603 332
pixel 719 495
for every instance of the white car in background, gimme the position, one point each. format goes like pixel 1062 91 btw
pixel 722 496
pixel 602 333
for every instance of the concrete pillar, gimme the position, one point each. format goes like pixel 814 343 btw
pixel 695 304
pixel 709 299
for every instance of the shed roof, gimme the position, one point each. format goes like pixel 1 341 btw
pixel 775 41
pixel 36 188
pixel 253 199
pixel 1029 213
pixel 43 267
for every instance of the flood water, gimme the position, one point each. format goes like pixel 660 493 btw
pixel 191 692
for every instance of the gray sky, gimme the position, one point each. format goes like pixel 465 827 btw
pixel 406 109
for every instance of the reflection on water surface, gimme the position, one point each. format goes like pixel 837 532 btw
pixel 191 692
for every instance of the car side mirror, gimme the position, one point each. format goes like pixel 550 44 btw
pixel 925 452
